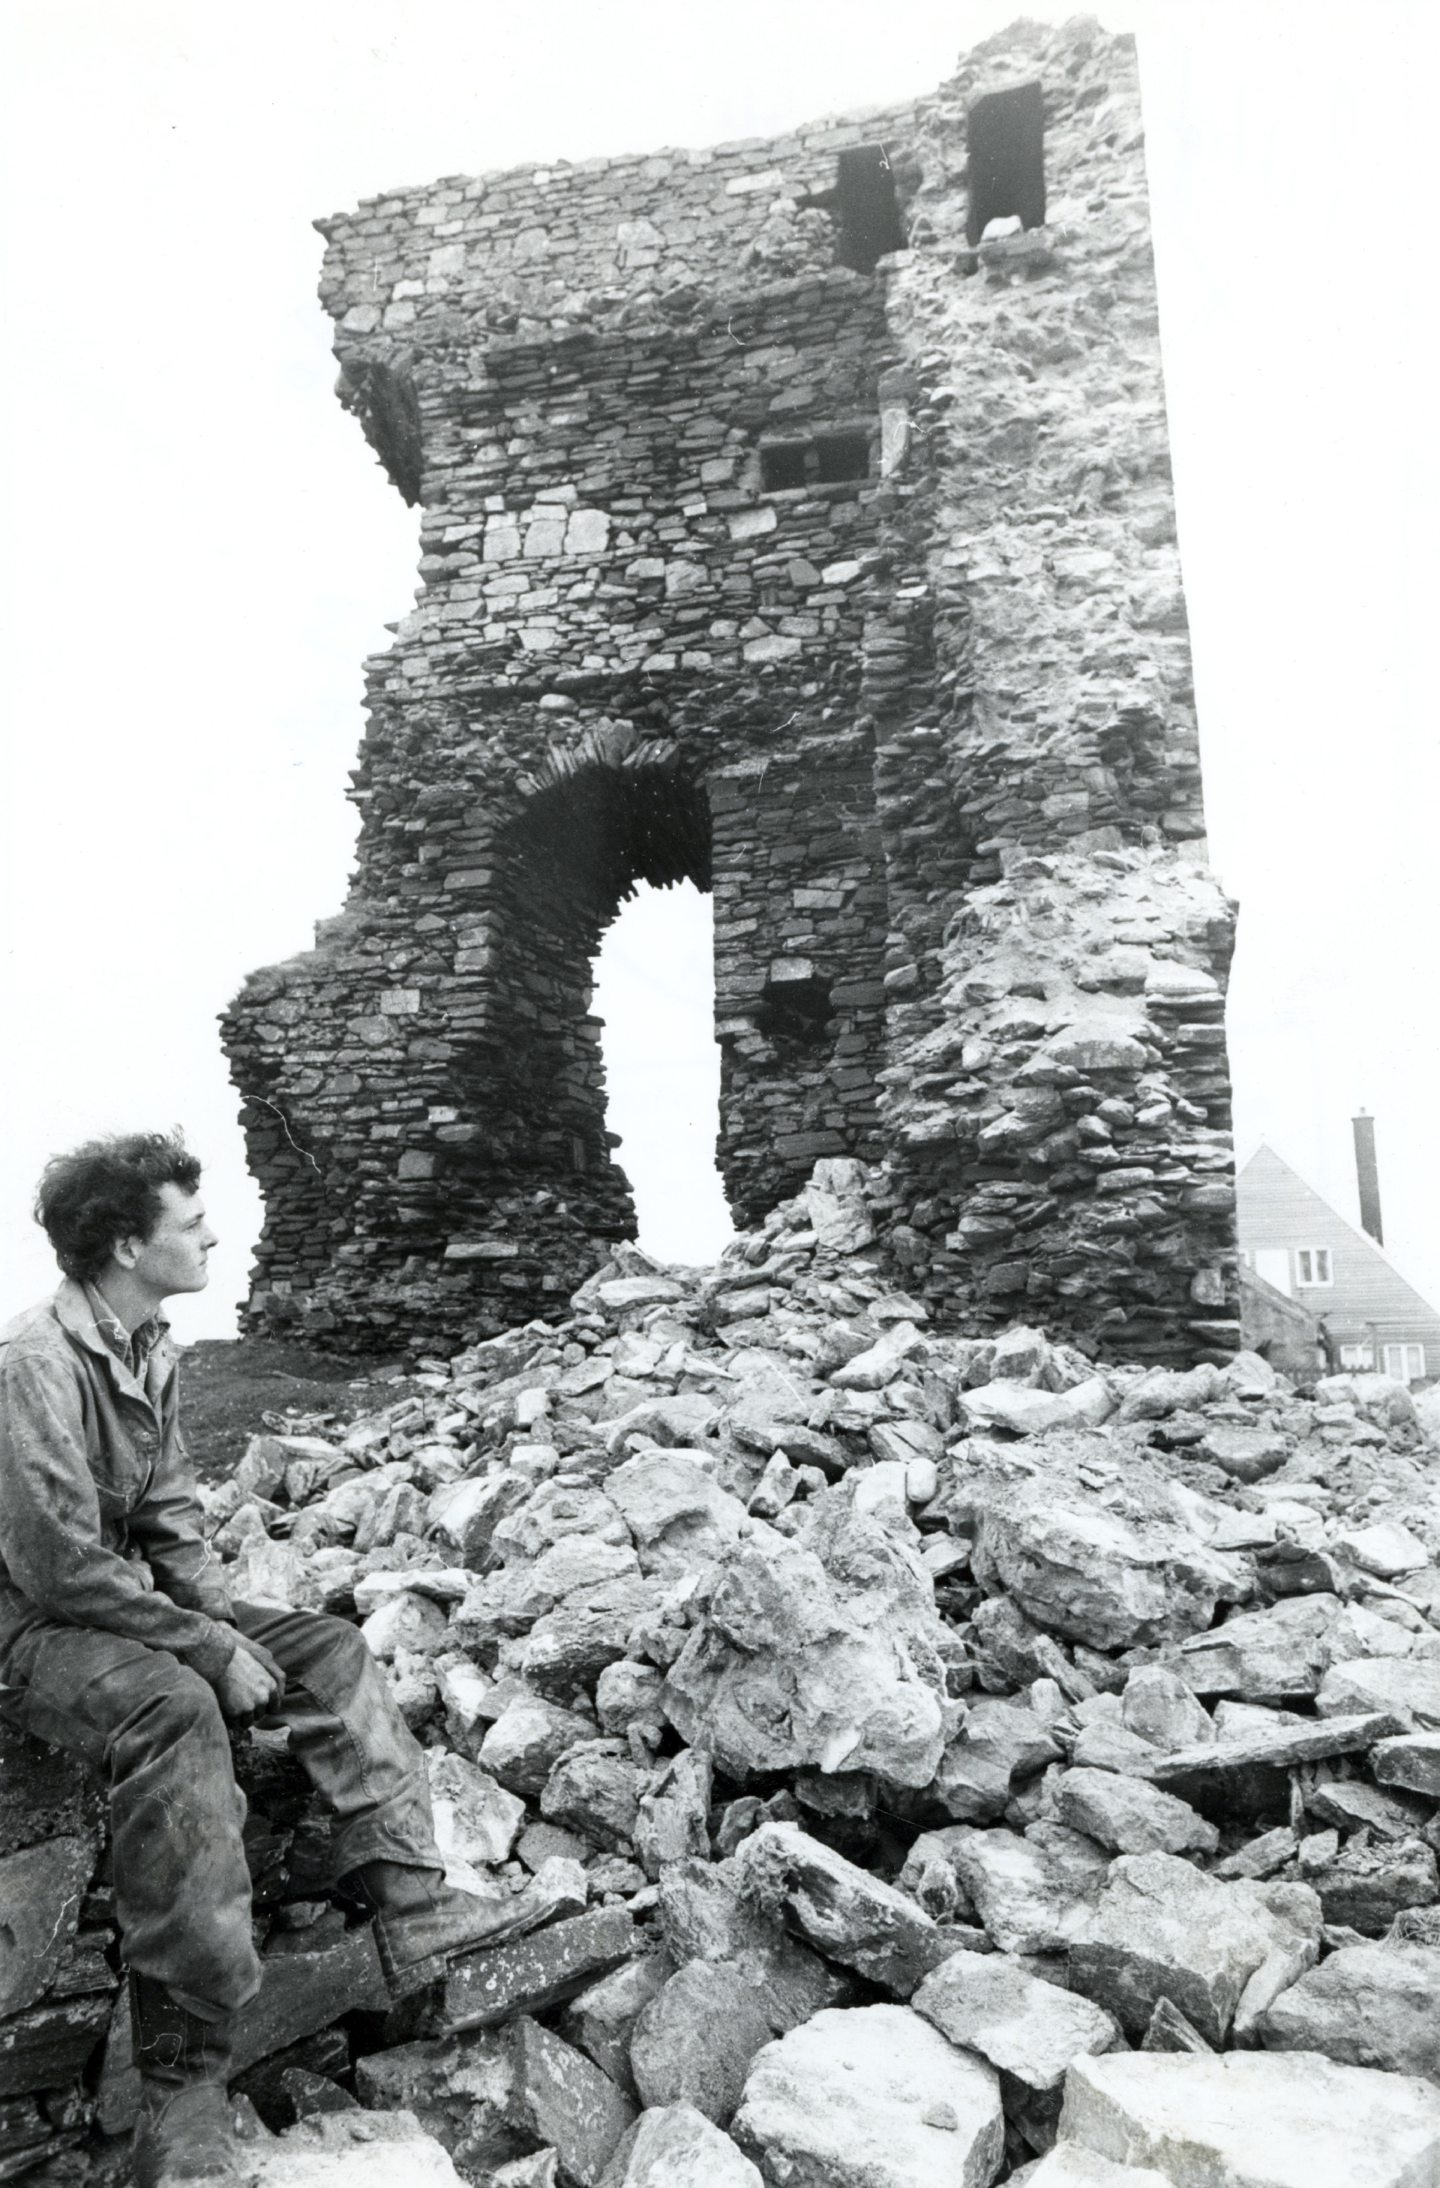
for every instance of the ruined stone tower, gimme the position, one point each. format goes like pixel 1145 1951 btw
pixel 796 519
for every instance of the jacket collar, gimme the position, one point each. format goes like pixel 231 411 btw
pixel 78 1310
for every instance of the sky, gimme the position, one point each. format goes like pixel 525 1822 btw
pixel 198 549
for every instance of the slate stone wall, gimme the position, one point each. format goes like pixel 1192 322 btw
pixel 844 585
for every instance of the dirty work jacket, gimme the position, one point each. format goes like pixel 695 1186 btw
pixel 94 1480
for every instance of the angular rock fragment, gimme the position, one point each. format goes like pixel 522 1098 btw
pixel 1068 2166
pixel 693 2043
pixel 1252 2119
pixel 987 2002
pixel 705 1918
pixel 1033 1894
pixel 1249 1774
pixel 997 1745
pixel 1366 2005
pixel 561 2099
pixel 871 2098
pixel 1369 1884
pixel 1160 1708
pixel 459 2090
pixel 527 1739
pixel 674 2146
pixel 673 1819
pixel 40 1894
pixel 595 1792
pixel 677 1512
pixel 1408 1687
pixel 1162 1929
pixel 1411 1762
pixel 487 1987
pixel 840 1909
pixel 1274 1655
pixel 1129 1816
pixel 601 2019
pixel 353 2150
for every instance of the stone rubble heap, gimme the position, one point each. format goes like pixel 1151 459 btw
pixel 896 1760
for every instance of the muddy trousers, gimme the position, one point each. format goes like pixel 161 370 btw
pixel 182 1889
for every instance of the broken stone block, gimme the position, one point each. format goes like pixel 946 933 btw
pixel 595 1792
pixel 1033 1894
pixel 1352 1805
pixel 798 1661
pixel 1411 1762
pixel 1162 1929
pixel 1408 1687
pixel 840 1909
pixel 1274 1655
pixel 1170 2031
pixel 881 1362
pixel 1386 1549
pixel 997 1745
pixel 694 2041
pixel 352 2150
pixel 1245 1454
pixel 1068 2166
pixel 628 1694
pixel 1254 2119
pixel 1094 1575
pixel 459 2090
pixel 674 2146
pixel 1366 2005
pixel 677 1512
pixel 533 1972
pixel 1160 1708
pixel 705 1917
pixel 40 1895
pixel 476 1820
pixel 1105 1745
pixel 1368 1885
pixel 562 2099
pixel 407 1621
pixel 674 1816
pixel 601 2019
pixel 565 1652
pixel 1250 1773
pixel 1129 1816
pixel 526 1741
pixel 872 2098
pixel 987 2002
pixel 1024 1412
pixel 47 2046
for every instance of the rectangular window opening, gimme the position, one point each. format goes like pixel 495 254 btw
pixel 1405 1362
pixel 1312 1265
pixel 865 207
pixel 830 459
pixel 1006 141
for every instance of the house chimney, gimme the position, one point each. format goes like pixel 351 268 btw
pixel 1368 1175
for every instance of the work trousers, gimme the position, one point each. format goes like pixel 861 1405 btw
pixel 182 1888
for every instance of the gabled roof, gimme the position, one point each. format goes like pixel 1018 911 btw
pixel 1265 1166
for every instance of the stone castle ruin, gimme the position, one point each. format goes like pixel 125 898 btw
pixel 796 521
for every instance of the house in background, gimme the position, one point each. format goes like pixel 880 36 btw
pixel 1293 1240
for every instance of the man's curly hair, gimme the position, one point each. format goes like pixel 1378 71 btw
pixel 108 1190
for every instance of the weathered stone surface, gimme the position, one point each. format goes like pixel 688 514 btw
pixel 673 1819
pixel 353 2150
pixel 676 1511
pixel 1366 1886
pixel 705 1917
pixel 997 1746
pixel 1250 1772
pixel 694 2041
pixel 822 1653
pixel 476 1820
pixel 1411 1762
pixel 47 2046
pixel 1275 1655
pixel 987 2002
pixel 1068 2166
pixel 1367 2005
pixel 487 1987
pixel 1033 1894
pixel 40 1893
pixel 1129 1816
pixel 1161 1929
pixel 1409 1688
pixel 1254 2120
pixel 563 2100
pixel 1094 1575
pixel 601 2019
pixel 1160 1708
pixel 459 2088
pixel 526 1741
pixel 872 2098
pixel 674 2146
pixel 838 1908
pixel 595 1792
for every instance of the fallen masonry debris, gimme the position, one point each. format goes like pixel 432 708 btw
pixel 927 1822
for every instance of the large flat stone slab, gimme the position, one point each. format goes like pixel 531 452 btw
pixel 871 2098
pixel 1249 2119
pixel 1367 2005
pixel 1250 1773
pixel 353 2150
pixel 840 1909
pixel 987 2002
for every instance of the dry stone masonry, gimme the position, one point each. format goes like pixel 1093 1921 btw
pixel 796 521
pixel 893 1759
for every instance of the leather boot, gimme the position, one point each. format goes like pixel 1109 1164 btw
pixel 185 2133
pixel 420 1921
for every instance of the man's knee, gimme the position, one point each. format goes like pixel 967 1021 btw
pixel 170 1703
pixel 342 1647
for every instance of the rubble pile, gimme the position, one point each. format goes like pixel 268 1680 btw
pixel 895 1760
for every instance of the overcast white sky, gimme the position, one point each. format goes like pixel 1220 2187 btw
pixel 199 549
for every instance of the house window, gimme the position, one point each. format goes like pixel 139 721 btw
pixel 1405 1362
pixel 829 459
pixel 1357 1356
pixel 1312 1265
pixel 1006 134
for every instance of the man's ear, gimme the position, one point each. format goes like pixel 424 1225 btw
pixel 127 1251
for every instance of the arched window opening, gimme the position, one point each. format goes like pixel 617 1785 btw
pixel 655 997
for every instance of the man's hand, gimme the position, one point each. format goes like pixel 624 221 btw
pixel 251 1682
